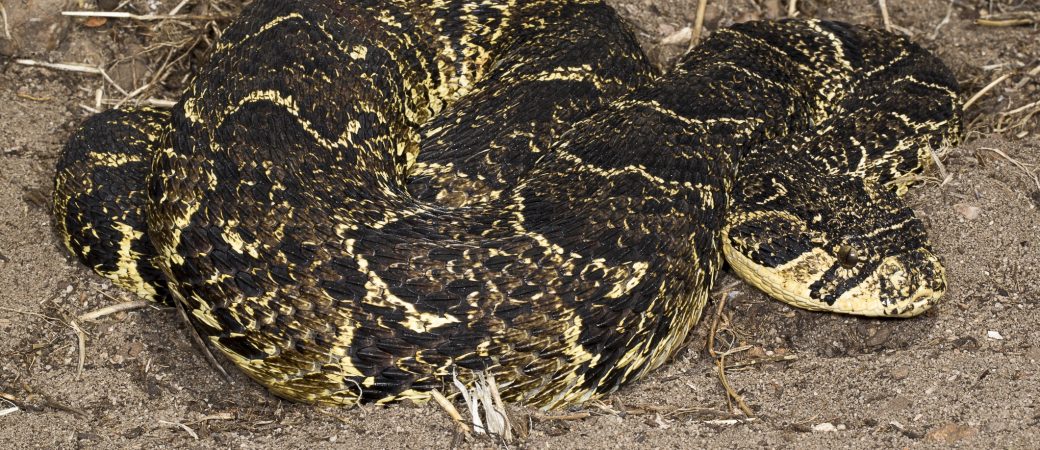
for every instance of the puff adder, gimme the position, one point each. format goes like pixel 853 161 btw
pixel 356 200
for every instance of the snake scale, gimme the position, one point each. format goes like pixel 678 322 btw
pixel 357 201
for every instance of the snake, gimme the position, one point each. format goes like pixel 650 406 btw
pixel 365 201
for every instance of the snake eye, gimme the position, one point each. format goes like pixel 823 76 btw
pixel 847 256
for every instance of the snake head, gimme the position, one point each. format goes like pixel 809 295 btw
pixel 832 243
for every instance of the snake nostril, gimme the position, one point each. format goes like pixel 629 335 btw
pixel 847 256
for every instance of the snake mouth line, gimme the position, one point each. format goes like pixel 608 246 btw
pixel 791 283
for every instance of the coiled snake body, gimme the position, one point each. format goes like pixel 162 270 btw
pixel 359 200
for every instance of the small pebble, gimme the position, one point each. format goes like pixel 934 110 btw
pixel 995 335
pixel 684 35
pixel 825 427
pixel 950 433
pixel 970 212
pixel 1033 354
pixel 108 5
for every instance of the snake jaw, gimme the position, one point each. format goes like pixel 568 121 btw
pixel 901 285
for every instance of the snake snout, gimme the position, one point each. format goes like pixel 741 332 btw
pixel 911 283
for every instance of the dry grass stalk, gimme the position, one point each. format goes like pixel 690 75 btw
pixel 1018 19
pixel 483 395
pixel 81 341
pixel 112 309
pixel 11 409
pixel 33 97
pixel 942 23
pixel 73 67
pixel 1021 108
pixel 81 338
pixel 974 98
pixel 202 344
pixel 452 411
pixel 142 17
pixel 3 15
pixel 883 4
pixel 33 401
pixel 729 422
pixel 757 361
pixel 177 9
pixel 732 396
pixel 944 175
pixel 30 313
pixel 182 426
pixel 698 23
pixel 218 416
pixel 580 415
pixel 499 407
pixel 68 67
pixel 150 101
pixel 1021 166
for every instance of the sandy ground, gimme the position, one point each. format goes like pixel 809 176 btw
pixel 967 373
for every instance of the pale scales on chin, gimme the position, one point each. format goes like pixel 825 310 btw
pixel 356 202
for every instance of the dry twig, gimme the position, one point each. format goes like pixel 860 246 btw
pixel 45 401
pixel 51 403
